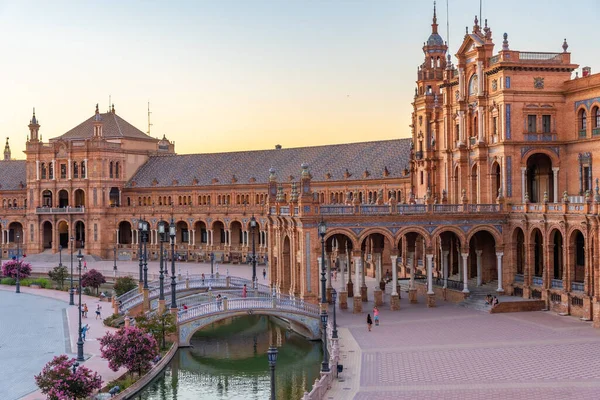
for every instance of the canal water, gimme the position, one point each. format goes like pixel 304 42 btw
pixel 229 361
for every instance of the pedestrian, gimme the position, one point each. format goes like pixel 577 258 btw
pixel 85 310
pixel 376 315
pixel 203 279
pixel 369 322
pixel 85 266
pixel 387 275
pixel 244 291
pixel 84 330
pixel 335 275
pixel 98 311
pixel 264 273
pixel 219 301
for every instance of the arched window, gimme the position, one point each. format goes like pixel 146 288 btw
pixel 128 202
pixel 596 117
pixel 473 85
pixel 117 172
pixel 110 170
pixel 43 170
pixel 50 171
pixel 76 170
pixel 83 172
pixel 582 120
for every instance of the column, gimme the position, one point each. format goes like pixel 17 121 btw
pixel 480 114
pixel 69 168
pixel 479 280
pixel 210 237
pixel 461 81
pixel 378 270
pixel 461 127
pixel 394 275
pixel 445 254
pixel 117 236
pixel 53 170
pixel 499 260
pixel 120 202
pixel 193 237
pixel 430 274
pixel 555 181
pixel 343 265
pixel 523 189
pixel 356 270
pixel 411 261
pixel 86 167
pixel 357 300
pixel 37 170
pixel 465 273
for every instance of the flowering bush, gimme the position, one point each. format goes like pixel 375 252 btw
pixel 58 381
pixel 93 279
pixel 129 347
pixel 11 267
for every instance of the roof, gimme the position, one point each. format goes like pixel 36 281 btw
pixel 12 174
pixel 241 167
pixel 435 40
pixel 113 126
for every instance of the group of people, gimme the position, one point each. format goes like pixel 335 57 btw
pixel 491 300
pixel 375 317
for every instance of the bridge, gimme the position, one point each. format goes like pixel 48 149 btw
pixel 203 308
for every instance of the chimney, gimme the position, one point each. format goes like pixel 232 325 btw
pixel 586 71
pixel 277 147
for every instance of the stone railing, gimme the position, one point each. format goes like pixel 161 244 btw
pixel 389 209
pixel 59 210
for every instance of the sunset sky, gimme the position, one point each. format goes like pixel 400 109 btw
pixel 226 75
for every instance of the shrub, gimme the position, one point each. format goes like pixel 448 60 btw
pixel 129 347
pixel 92 279
pixel 124 284
pixel 158 326
pixel 43 282
pixel 58 381
pixel 8 281
pixel 13 268
pixel 113 321
pixel 24 282
pixel 59 274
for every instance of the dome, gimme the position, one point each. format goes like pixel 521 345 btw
pixel 435 40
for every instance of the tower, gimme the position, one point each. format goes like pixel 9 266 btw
pixel 6 151
pixel 97 123
pixel 34 128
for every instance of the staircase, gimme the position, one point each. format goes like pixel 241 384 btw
pixel 403 287
pixel 476 299
pixel 47 256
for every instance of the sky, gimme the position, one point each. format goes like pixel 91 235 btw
pixel 228 75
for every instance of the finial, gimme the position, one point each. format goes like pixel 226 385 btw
pixel 565 46
pixel 485 24
pixel 505 42
pixel 434 14
pixel 97 111
pixel 113 108
pixel 466 30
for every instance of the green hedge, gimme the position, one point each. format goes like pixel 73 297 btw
pixel 43 282
pixel 8 281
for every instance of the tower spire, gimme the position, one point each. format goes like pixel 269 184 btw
pixel 434 25
pixel 6 151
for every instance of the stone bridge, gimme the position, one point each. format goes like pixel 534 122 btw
pixel 304 318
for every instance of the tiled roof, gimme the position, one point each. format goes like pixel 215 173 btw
pixel 12 174
pixel 112 126
pixel 241 167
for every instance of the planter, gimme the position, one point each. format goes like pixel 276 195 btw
pixel 35 286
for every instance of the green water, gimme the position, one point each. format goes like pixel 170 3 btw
pixel 229 361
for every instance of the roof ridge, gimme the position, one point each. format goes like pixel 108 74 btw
pixel 117 122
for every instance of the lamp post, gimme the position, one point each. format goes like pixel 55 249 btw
pixel 334 334
pixel 140 236
pixel 18 283
pixel 79 338
pixel 60 256
pixel 212 261
pixel 272 355
pixel 324 316
pixel 145 252
pixel 71 291
pixel 75 367
pixel 253 227
pixel 115 259
pixel 161 236
pixel 173 283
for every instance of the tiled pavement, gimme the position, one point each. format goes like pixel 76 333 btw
pixel 450 352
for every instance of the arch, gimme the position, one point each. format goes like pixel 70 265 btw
pixel 15 229
pixel 416 230
pixel 201 232
pixel 555 244
pixel 63 198
pixel 218 235
pixel 582 121
pixel 182 233
pixel 286 265
pixel 496 180
pixel 460 235
pixel 536 240
pixel 63 233
pixel 79 198
pixel 452 244
pixel 577 242
pixel 540 182
pixel 114 197
pixel 125 233
pixel 474 195
pixel 482 261
pixel 47 229
pixel 79 234
pixel 47 198
pixel 236 234
pixel 595 116
pixel 473 85
pixel 489 229
pixel 370 231
pixel 344 232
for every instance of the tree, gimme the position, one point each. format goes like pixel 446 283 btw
pixel 58 381
pixel 59 274
pixel 158 325
pixel 12 268
pixel 93 279
pixel 129 347
pixel 124 284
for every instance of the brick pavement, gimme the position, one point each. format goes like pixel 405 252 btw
pixel 451 352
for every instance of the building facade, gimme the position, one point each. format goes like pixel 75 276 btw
pixel 496 185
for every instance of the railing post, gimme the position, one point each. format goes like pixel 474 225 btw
pixel 227 282
pixel 225 303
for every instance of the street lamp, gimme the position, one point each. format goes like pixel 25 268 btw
pixel 272 355
pixel 140 236
pixel 115 258
pixel 212 261
pixel 173 284
pixel 80 338
pixel 253 227
pixel 322 230
pixel 60 256
pixel 161 239
pixel 325 363
pixel 18 283
pixel 334 334
pixel 145 241
pixel 72 291
pixel 75 367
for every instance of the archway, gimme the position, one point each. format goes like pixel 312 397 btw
pixel 519 251
pixel 79 235
pixel 114 197
pixel 47 235
pixel 376 249
pixel 63 234
pixel 63 199
pixel 125 233
pixel 338 248
pixel 286 272
pixel 578 259
pixel 482 258
pixel 539 178
pixel 201 233
pixel 15 233
pixel 79 198
pixel 449 254
pixel 496 181
pixel 182 232
pixel 556 255
pixel 47 198
pixel 537 241
pixel 218 235
pixel 474 198
pixel 414 262
pixel 236 235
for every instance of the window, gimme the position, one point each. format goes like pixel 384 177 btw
pixel 117 172
pixel 582 120
pixel 83 173
pixel 546 121
pixel 75 170
pixel 596 117
pixel 43 171
pixel 421 177
pixel 110 170
pixel 63 171
pixel 495 126
pixel 51 171
pixel 507 82
pixel 586 179
pixel 531 128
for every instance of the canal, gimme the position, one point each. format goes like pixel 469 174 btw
pixel 229 361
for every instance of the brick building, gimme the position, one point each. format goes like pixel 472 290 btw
pixel 496 186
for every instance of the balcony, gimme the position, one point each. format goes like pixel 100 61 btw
pixel 409 209
pixel 60 210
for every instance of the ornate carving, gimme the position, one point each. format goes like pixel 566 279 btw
pixel 538 82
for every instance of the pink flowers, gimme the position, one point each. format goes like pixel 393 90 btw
pixel 129 347
pixel 92 278
pixel 58 381
pixel 11 267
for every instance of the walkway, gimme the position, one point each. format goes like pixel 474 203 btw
pixel 450 352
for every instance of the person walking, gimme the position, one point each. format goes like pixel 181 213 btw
pixel 264 273
pixel 85 310
pixel 85 266
pixel 98 311
pixel 369 322
pixel 84 330
pixel 376 315
pixel 203 279
pixel 244 291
